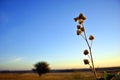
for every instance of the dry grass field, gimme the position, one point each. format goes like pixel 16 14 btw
pixel 51 76
pixel 48 76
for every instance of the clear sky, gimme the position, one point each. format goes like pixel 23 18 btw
pixel 44 30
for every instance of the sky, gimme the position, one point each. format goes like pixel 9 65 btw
pixel 44 30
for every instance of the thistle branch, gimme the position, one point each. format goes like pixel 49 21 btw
pixel 91 57
pixel 80 19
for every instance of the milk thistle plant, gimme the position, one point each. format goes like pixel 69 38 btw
pixel 88 52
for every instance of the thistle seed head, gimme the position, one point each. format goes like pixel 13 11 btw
pixel 91 37
pixel 79 32
pixel 81 16
pixel 86 52
pixel 81 21
pixel 86 61
pixel 82 29
pixel 78 26
pixel 76 19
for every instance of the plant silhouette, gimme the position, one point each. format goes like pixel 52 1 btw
pixel 81 31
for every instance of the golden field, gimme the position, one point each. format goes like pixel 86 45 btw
pixel 48 76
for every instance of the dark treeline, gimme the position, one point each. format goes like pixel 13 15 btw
pixel 108 69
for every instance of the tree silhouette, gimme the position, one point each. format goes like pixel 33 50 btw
pixel 41 68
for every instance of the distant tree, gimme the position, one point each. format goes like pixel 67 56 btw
pixel 41 68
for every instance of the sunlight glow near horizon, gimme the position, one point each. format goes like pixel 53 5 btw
pixel 31 32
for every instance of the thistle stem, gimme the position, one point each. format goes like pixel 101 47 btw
pixel 82 36
pixel 91 57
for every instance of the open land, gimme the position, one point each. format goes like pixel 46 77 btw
pixel 73 74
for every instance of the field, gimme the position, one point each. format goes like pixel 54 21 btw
pixel 48 76
pixel 83 74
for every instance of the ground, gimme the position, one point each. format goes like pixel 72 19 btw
pixel 73 75
pixel 48 76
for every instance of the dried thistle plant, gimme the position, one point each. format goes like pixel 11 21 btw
pixel 81 31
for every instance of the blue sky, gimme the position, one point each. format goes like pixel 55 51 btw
pixel 44 30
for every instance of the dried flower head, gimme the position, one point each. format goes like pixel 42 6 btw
pixel 86 52
pixel 81 16
pixel 86 61
pixel 82 29
pixel 79 32
pixel 78 26
pixel 91 37
pixel 81 21
pixel 76 19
